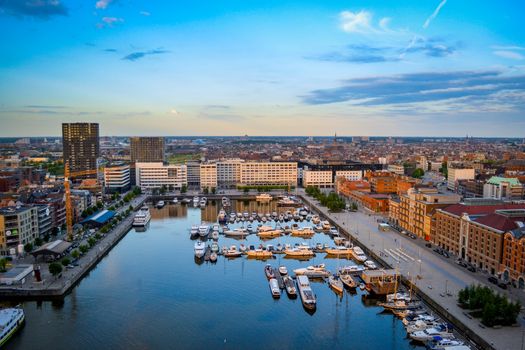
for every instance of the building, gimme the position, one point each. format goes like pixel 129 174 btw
pixel 147 149
pixel 475 232
pixel 45 220
pixel 382 182
pixel 81 149
pixel 352 175
pixel 396 169
pixel 320 179
pixel 194 174
pixel 416 208
pixel 503 188
pixel 456 174
pixel 208 176
pixel 512 266
pixel 344 186
pixel 117 177
pixel 158 175
pixel 269 174
pixel 229 173
pixel 18 226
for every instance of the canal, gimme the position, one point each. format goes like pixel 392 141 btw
pixel 150 293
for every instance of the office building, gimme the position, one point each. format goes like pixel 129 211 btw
pixel 320 178
pixel 229 173
pixel 117 177
pixel 194 174
pixel 503 188
pixel 268 173
pixel 18 226
pixel 158 175
pixel 80 142
pixel 146 149
pixel 208 176
pixel 456 174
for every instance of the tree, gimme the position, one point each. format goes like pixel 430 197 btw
pixel 100 205
pixel 92 241
pixel 38 242
pixel 213 190
pixel 83 248
pixel 65 261
pixel 184 189
pixel 205 190
pixel 75 254
pixel 246 190
pixel 55 268
pixel 3 264
pixel 28 247
pixel 418 173
pixel 97 236
pixel 163 189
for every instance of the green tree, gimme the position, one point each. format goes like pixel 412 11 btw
pixel 100 205
pixel 55 268
pixel 84 248
pixel 75 254
pixel 3 264
pixel 246 190
pixel 38 242
pixel 97 236
pixel 28 247
pixel 65 261
pixel 205 190
pixel 184 189
pixel 92 241
pixel 213 190
pixel 418 173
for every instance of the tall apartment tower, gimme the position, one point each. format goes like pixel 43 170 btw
pixel 147 149
pixel 80 142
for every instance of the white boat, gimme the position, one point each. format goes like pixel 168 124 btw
pixel 351 269
pixel 283 270
pixel 221 217
pixel 315 220
pixel 160 204
pixel 142 217
pixel 215 247
pixel 202 203
pixel 314 271
pixel 289 286
pixel 200 249
pixel 11 319
pixel 303 231
pixel 263 197
pixel 286 201
pixel 236 232
pixel 359 255
pixel 215 235
pixel 204 230
pixel 213 257
pixel 348 281
pixel 339 251
pixel 300 251
pixel 325 225
pixel 233 252
pixel 369 264
pixel 194 231
pixel 335 283
pixel 196 200
pixel 398 296
pixel 175 200
pixel 305 291
pixel 274 287
pixel 186 200
pixel 431 333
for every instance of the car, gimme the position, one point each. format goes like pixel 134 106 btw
pixel 428 245
pixel 493 280
pixel 502 285
pixel 413 236
pixel 70 266
pixel 471 268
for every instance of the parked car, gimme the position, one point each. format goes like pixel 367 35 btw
pixel 428 245
pixel 502 285
pixel 493 280
pixel 471 268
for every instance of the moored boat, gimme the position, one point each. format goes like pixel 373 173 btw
pixel 305 291
pixel 335 283
pixel 289 287
pixel 300 251
pixel 274 287
pixel 259 254
pixel 283 270
pixel 142 217
pixel 268 271
pixel 233 252
pixel 348 281
pixel 200 249
pixel 11 319
pixel 313 271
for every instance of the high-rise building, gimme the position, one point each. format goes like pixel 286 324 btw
pixel 81 147
pixel 147 149
pixel 18 226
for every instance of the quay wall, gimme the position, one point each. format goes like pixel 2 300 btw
pixel 433 304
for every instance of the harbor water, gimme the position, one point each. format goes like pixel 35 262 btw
pixel 150 292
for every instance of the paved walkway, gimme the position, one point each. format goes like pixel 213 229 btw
pixel 440 279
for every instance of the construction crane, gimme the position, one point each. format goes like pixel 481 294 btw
pixel 67 186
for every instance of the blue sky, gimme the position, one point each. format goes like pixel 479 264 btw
pixel 443 68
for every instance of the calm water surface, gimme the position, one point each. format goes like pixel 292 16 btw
pixel 149 293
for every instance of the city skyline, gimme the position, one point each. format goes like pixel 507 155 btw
pixel 438 68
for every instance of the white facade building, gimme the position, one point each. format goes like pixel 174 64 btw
pixel 116 177
pixel 319 178
pixel 229 173
pixel 455 174
pixel 269 173
pixel 351 175
pixel 208 175
pixel 396 169
pixel 156 175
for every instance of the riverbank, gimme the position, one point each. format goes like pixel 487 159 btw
pixel 433 280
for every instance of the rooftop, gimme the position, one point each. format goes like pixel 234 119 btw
pixel 498 180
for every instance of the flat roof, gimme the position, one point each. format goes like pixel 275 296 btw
pixel 100 218
pixel 52 248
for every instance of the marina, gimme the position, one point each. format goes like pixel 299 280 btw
pixel 169 283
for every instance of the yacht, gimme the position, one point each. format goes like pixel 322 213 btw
pixel 351 269
pixel 221 217
pixel 268 271
pixel 175 200
pixel 213 257
pixel 215 235
pixel 11 319
pixel 202 203
pixel 306 293
pixel 233 252
pixel 325 225
pixel 236 232
pixel 195 200
pixel 263 197
pixel 300 251
pixel 315 271
pixel 286 201
pixel 303 231
pixel 204 230
pixel 215 247
pixel 274 287
pixel 348 281
pixel 315 220
pixel 335 283
pixel 289 286
pixel 194 231
pixel 269 233
pixel 359 255
pixel 142 217
pixel 216 227
pixel 339 250
pixel 283 270
pixel 259 253
pixel 200 249
pixel 160 204
pixel 186 200
pixel 431 333
pixel 369 264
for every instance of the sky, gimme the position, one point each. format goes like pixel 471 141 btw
pixel 375 68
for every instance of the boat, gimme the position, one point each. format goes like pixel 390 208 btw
pixel 196 201
pixel 369 264
pixel 289 286
pixel 359 255
pixel 233 252
pixel 215 235
pixel 430 334
pixel 314 271
pixel 274 287
pixel 270 233
pixel 305 291
pixel 263 197
pixel 213 257
pixel 339 251
pixel 362 286
pixel 303 231
pixel 194 231
pixel 160 204
pixel 446 344
pixel 200 249
pixel 186 200
pixel 339 240
pixel 283 270
pixel 400 305
pixel 236 232
pixel 315 219
pixel 351 269
pixel 398 296
pixel 268 271
pixel 300 251
pixel 259 254
pixel 242 248
pixel 142 217
pixel 204 230
pixel 175 200
pixel 286 201
pixel 215 247
pixel 325 225
pixel 222 217
pixel 202 203
pixel 11 319
pixel 334 232
pixel 335 283
pixel 348 281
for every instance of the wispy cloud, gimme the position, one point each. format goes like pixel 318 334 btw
pixel 141 54
pixel 362 23
pixel 102 4
pixel 145 13
pixel 110 50
pixel 42 9
pixel 508 54
pixel 109 21
pixel 434 14
pixel 467 88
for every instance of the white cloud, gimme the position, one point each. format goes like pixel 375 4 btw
pixel 174 111
pixel 362 22
pixel 434 14
pixel 508 47
pixel 145 13
pixel 111 20
pixel 509 54
pixel 102 4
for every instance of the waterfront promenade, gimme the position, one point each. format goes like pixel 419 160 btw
pixel 51 286
pixel 437 279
